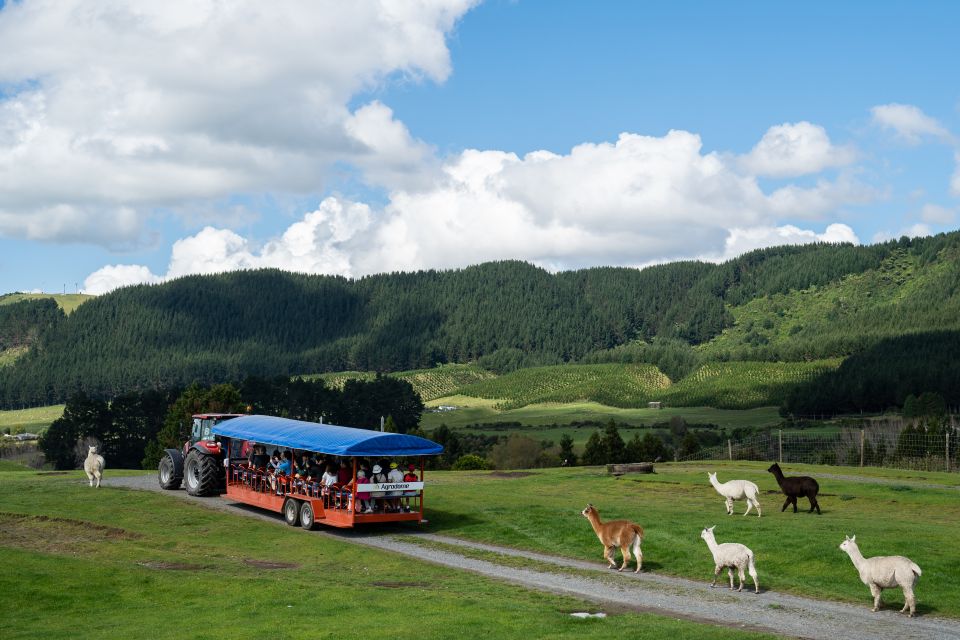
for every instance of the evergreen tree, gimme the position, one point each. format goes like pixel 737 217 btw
pixel 567 455
pixel 613 445
pixel 595 453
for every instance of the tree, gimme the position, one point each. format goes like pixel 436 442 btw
pixel 471 462
pixel 82 417
pixel 594 452
pixel 613 444
pixel 516 452
pixel 567 456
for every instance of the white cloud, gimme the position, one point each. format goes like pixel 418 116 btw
pixel 955 179
pixel 638 200
pixel 740 241
pixel 918 230
pixel 909 123
pixel 788 150
pixel 935 214
pixel 117 107
pixel 115 276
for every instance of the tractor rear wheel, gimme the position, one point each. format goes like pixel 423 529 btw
pixel 306 516
pixel 291 512
pixel 167 473
pixel 201 474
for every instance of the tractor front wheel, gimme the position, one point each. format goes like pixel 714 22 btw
pixel 167 473
pixel 201 474
pixel 291 512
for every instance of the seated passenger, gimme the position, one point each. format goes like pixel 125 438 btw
pixel 282 469
pixel 378 477
pixel 328 480
pixel 410 476
pixel 344 475
pixel 395 475
pixel 363 501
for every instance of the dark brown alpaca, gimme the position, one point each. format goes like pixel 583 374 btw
pixel 796 486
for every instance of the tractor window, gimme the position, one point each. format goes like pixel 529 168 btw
pixel 206 425
pixel 196 431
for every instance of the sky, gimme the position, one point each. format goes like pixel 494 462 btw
pixel 144 141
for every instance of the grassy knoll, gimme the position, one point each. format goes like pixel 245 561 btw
pixel 429 383
pixel 9 356
pixel 116 563
pixel 795 552
pixel 32 420
pixel 540 421
pixel 742 385
pixel 68 302
pixel 615 385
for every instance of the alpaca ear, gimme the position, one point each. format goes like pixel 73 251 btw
pixel 853 539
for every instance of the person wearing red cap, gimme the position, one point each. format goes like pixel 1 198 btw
pixel 410 476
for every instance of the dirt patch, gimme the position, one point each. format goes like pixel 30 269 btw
pixel 267 564
pixel 173 566
pixel 511 474
pixel 401 585
pixel 43 533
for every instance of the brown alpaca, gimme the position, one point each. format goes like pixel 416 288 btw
pixel 616 533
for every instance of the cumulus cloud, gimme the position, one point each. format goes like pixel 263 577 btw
pixel 788 150
pixel 909 123
pixel 634 201
pixel 935 214
pixel 740 241
pixel 111 109
pixel 115 276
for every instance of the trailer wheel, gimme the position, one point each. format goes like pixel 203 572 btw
pixel 291 512
pixel 167 473
pixel 201 474
pixel 306 516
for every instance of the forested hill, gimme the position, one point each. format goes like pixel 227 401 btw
pixel 225 327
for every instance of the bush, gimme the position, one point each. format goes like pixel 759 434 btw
pixel 471 462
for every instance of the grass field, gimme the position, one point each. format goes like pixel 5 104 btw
pixel 429 383
pixel 539 420
pixel 114 563
pixel 33 420
pixel 795 553
pixel 68 302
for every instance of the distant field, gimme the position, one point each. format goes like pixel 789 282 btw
pixel 538 419
pixel 741 385
pixel 615 385
pixel 429 383
pixel 33 420
pixel 9 356
pixel 68 302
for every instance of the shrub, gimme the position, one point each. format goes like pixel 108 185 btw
pixel 471 462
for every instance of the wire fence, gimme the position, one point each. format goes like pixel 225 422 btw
pixel 895 444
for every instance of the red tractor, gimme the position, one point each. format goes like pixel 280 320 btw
pixel 199 465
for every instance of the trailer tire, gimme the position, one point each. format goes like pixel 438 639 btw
pixel 167 473
pixel 291 512
pixel 307 520
pixel 201 474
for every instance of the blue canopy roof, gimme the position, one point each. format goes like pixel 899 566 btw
pixel 325 438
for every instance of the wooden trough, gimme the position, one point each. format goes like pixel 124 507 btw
pixel 630 467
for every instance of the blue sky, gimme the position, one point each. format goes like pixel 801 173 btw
pixel 141 142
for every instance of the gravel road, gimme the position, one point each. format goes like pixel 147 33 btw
pixel 674 597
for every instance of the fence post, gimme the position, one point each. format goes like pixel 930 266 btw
pixel 948 452
pixel 780 446
pixel 730 449
pixel 862 438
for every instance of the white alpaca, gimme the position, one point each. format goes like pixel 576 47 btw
pixel 737 490
pixel 731 555
pixel 884 572
pixel 93 466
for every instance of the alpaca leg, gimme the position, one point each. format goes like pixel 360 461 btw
pixel 98 476
pixel 753 574
pixel 814 504
pixel 716 573
pixel 638 553
pixel 756 503
pixel 730 575
pixel 742 578
pixel 609 555
pixel 875 590
pixel 729 504
pixel 786 503
pixel 909 601
pixel 749 506
pixel 625 552
pixel 794 500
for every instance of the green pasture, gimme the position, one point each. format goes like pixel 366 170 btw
pixel 68 302
pixel 892 514
pixel 116 563
pixel 437 382
pixel 540 420
pixel 32 420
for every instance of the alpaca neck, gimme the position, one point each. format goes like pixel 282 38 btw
pixel 778 474
pixel 711 543
pixel 715 482
pixel 595 522
pixel 854 552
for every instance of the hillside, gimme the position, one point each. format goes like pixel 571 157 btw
pixel 66 301
pixel 799 304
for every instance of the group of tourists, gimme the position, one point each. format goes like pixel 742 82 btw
pixel 329 477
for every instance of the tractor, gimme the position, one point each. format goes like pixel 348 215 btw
pixel 199 465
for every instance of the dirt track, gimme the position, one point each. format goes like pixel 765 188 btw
pixel 674 597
